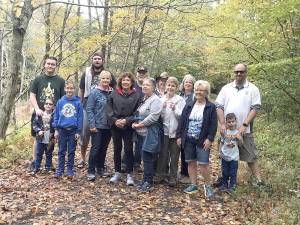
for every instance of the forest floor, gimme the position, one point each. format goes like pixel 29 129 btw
pixel 41 199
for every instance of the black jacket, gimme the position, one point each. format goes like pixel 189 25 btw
pixel 209 125
pixel 122 105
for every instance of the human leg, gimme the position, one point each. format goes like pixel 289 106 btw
pixel 174 158
pixel 62 143
pixel 105 136
pixel 233 168
pixel 40 148
pixel 163 160
pixel 49 156
pixel 71 153
pixel 225 174
pixel 94 152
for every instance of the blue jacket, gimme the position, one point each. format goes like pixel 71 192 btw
pixel 68 114
pixel 97 109
pixel 38 125
pixel 154 138
pixel 209 124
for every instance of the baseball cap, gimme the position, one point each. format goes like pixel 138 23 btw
pixel 142 68
pixel 163 75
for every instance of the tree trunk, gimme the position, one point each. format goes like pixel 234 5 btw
pixel 105 25
pixel 90 16
pixel 110 42
pixel 47 28
pixel 139 44
pixel 1 60
pixel 19 24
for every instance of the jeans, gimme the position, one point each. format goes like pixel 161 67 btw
pixel 100 142
pixel 40 149
pixel 138 150
pixel 148 160
pixel 229 172
pixel 126 135
pixel 168 158
pixel 66 143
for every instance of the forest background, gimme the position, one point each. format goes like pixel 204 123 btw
pixel 202 37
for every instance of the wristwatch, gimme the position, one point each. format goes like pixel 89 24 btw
pixel 245 124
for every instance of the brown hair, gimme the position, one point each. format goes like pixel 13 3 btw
pixel 126 74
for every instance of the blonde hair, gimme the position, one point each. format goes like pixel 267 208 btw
pixel 105 72
pixel 204 84
pixel 186 77
pixel 173 80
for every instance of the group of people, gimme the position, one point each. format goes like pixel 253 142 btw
pixel 151 121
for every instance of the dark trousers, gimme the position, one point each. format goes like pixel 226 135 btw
pixel 42 148
pixel 167 163
pixel 138 144
pixel 118 136
pixel 100 141
pixel 149 160
pixel 184 165
pixel 229 172
pixel 66 143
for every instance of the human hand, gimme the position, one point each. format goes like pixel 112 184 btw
pixel 242 130
pixel 39 112
pixel 172 105
pixel 41 133
pixel 56 134
pixel 178 142
pixel 77 136
pixel 222 129
pixel 207 144
pixel 93 130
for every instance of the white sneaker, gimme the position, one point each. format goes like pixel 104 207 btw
pixel 130 181
pixel 116 177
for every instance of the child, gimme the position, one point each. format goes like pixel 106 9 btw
pixel 173 104
pixel 68 118
pixel 42 126
pixel 230 154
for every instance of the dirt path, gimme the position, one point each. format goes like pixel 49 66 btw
pixel 44 200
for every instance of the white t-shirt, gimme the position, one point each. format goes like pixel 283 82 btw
pixel 239 101
pixel 195 121
pixel 229 147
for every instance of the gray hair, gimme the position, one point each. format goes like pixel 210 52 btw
pixel 186 77
pixel 204 84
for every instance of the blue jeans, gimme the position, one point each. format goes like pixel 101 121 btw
pixel 66 143
pixel 100 141
pixel 149 159
pixel 138 150
pixel 229 172
pixel 40 149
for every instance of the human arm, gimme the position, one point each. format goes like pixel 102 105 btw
pixel 179 107
pixel 79 118
pixel 35 105
pixel 212 129
pixel 220 102
pixel 155 109
pixel 90 109
pixel 250 117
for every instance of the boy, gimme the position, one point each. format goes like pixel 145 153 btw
pixel 68 118
pixel 42 126
pixel 230 154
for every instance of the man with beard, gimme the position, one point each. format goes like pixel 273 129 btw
pixel 89 80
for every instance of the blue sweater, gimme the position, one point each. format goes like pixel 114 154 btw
pixel 209 124
pixel 97 109
pixel 68 114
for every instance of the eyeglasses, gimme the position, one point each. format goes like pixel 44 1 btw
pixel 47 103
pixel 239 71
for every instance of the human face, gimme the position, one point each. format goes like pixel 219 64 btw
pixel 50 66
pixel 97 61
pixel 171 88
pixel 200 93
pixel 147 88
pixel 161 84
pixel 126 83
pixel 141 75
pixel 240 72
pixel 231 123
pixel 105 79
pixel 188 85
pixel 70 90
pixel 48 105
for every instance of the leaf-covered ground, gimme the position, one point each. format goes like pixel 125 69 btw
pixel 44 200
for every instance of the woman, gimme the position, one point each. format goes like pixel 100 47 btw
pixel 97 121
pixel 186 91
pixel 149 131
pixel 160 90
pixel 173 104
pixel 121 105
pixel 196 132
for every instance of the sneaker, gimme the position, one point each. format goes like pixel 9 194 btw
pixel 223 188
pixel 81 164
pixel 158 179
pixel 57 175
pixel 191 189
pixel 218 182
pixel 184 180
pixel 102 172
pixel 115 179
pixel 172 182
pixel 145 187
pixel 232 189
pixel 47 170
pixel 34 172
pixel 208 191
pixel 91 177
pixel 32 166
pixel 130 181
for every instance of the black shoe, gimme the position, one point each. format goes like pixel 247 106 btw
pixel 102 172
pixel 146 187
pixel 31 166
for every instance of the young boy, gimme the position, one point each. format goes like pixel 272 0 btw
pixel 230 154
pixel 68 118
pixel 42 126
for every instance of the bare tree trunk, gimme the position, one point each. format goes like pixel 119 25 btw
pixel 98 18
pixel 90 16
pixel 47 28
pixel 1 60
pixel 105 25
pixel 23 72
pixel 110 42
pixel 140 39
pixel 78 14
pixel 19 24
pixel 62 33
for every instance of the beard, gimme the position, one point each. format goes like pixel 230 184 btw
pixel 97 67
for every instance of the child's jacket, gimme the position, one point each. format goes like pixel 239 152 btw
pixel 39 125
pixel 68 114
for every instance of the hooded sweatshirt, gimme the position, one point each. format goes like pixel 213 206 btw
pixel 68 114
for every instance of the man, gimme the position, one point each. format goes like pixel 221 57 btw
pixel 242 98
pixel 141 74
pixel 46 86
pixel 89 80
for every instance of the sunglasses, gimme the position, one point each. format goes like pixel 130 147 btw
pixel 47 103
pixel 239 71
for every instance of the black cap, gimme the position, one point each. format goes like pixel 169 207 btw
pixel 142 68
